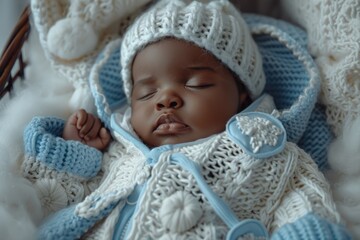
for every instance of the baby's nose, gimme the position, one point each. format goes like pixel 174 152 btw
pixel 169 99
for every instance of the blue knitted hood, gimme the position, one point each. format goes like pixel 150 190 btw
pixel 292 78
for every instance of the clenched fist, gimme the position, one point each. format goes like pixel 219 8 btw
pixel 85 127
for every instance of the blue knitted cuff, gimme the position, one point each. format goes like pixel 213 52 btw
pixel 66 225
pixel 311 227
pixel 42 140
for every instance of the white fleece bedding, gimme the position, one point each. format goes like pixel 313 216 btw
pixel 43 92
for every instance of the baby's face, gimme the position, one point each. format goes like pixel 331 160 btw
pixel 180 93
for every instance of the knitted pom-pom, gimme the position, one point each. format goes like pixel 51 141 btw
pixel 180 212
pixel 71 38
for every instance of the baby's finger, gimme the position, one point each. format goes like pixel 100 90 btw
pixel 73 119
pixel 87 126
pixel 94 131
pixel 105 136
pixel 82 117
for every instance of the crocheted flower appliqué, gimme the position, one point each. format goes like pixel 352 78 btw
pixel 52 195
pixel 261 131
pixel 180 212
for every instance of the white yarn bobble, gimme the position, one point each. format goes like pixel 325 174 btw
pixel 71 38
pixel 180 212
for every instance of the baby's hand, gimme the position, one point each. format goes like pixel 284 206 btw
pixel 85 127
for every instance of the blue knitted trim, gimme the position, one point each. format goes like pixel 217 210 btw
pixel 65 225
pixel 311 227
pixel 319 132
pixel 42 140
pixel 292 76
pixel 105 82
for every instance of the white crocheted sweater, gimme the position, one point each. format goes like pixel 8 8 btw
pixel 276 190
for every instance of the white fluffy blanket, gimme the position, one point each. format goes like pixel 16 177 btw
pixel 43 92
pixel 344 158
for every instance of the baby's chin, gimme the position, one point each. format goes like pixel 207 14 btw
pixel 175 139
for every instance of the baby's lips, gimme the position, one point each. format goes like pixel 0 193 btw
pixel 171 128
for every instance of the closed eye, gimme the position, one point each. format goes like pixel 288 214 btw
pixel 199 86
pixel 146 96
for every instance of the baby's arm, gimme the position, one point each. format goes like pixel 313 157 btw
pixel 86 128
pixel 62 171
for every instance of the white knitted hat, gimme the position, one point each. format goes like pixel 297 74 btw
pixel 216 26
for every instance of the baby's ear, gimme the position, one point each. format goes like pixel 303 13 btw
pixel 244 100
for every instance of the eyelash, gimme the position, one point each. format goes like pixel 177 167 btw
pixel 203 86
pixel 145 97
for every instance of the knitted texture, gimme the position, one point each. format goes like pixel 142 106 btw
pixel 334 36
pixel 106 18
pixel 122 161
pixel 276 190
pixel 62 172
pixel 106 83
pixel 317 131
pixel 216 26
pixel 42 140
pixel 311 227
pixel 253 188
pixel 292 77
pixel 65 225
pixel 58 24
